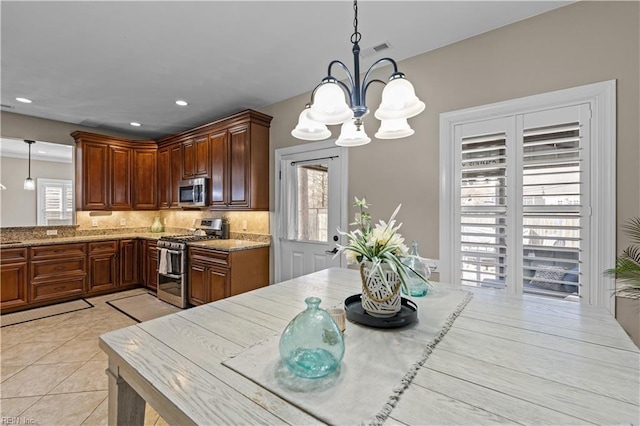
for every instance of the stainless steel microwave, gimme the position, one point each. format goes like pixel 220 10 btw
pixel 193 192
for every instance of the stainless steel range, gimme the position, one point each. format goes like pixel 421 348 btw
pixel 172 260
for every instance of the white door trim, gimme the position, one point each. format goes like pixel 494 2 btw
pixel 275 224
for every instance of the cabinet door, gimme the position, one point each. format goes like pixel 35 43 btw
pixel 120 178
pixel 103 272
pixel 145 176
pixel 201 156
pixel 94 176
pixel 198 286
pixel 164 178
pixel 218 144
pixel 176 173
pixel 239 166
pixel 129 262
pixel 151 266
pixel 219 283
pixel 13 285
pixel 188 155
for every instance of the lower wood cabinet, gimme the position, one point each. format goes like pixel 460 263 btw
pixel 103 266
pixel 150 264
pixel 57 272
pixel 129 262
pixel 13 278
pixel 215 274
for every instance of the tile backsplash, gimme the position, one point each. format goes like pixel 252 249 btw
pixel 256 222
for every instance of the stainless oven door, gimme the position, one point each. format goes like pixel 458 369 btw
pixel 172 284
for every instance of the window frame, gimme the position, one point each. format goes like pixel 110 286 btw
pixel 41 185
pixel 602 166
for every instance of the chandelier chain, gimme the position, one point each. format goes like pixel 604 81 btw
pixel 356 36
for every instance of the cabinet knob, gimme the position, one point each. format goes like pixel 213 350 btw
pixel 58 268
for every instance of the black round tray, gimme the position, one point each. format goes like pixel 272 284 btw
pixel 355 312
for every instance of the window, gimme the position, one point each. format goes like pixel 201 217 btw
pixel 531 183
pixel 55 202
pixel 313 202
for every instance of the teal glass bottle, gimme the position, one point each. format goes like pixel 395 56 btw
pixel 417 287
pixel 312 345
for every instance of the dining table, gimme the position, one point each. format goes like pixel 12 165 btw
pixel 502 359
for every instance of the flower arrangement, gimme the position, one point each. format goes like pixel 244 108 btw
pixel 380 245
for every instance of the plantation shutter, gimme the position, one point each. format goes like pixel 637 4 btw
pixel 521 203
pixel 55 202
pixel 554 161
pixel 483 203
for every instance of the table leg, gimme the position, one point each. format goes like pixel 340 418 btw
pixel 126 407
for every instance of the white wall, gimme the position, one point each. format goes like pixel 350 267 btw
pixel 17 206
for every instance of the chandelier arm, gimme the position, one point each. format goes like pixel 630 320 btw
pixel 375 65
pixel 346 71
pixel 366 87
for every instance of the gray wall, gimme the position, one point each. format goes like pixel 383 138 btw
pixel 17 206
pixel 582 43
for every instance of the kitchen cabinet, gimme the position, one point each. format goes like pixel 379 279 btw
pixel 236 150
pixel 150 265
pixel 13 279
pixel 119 168
pixel 195 157
pixel 57 272
pixel 129 262
pixel 209 276
pixel 169 175
pixel 115 173
pixel 103 266
pixel 215 274
pixel 145 175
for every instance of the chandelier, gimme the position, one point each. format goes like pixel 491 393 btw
pixel 335 102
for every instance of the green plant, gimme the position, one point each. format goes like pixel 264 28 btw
pixel 380 244
pixel 627 270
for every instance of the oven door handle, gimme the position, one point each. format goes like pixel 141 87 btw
pixel 169 251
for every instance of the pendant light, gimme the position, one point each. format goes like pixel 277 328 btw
pixel 335 102
pixel 29 185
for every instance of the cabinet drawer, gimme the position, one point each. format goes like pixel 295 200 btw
pixel 14 255
pixel 51 290
pixel 103 247
pixel 54 269
pixel 59 250
pixel 209 256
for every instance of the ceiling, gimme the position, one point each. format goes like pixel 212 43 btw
pixel 43 151
pixel 106 64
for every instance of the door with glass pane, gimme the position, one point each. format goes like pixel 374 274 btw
pixel 310 211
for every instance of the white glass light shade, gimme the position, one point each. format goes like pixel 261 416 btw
pixel 399 100
pixel 394 129
pixel 310 130
pixel 351 136
pixel 329 105
pixel 29 184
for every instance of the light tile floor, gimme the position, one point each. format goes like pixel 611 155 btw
pixel 52 371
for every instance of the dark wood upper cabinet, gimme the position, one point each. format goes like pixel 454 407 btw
pixel 218 169
pixel 239 163
pixel 175 153
pixel 120 178
pixel 145 194
pixel 164 177
pixel 114 173
pixel 195 157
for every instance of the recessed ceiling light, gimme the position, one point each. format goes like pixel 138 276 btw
pixel 134 124
pixel 24 100
pixel 181 102
pixel 42 152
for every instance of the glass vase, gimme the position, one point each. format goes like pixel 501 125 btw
pixel 417 287
pixel 312 345
pixel 157 225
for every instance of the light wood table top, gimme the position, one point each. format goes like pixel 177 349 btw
pixel 513 360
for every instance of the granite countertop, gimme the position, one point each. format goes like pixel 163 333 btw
pixel 229 245
pixel 224 245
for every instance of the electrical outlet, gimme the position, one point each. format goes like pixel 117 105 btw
pixel 123 222
pixel 94 222
pixel 244 225
pixel 52 232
